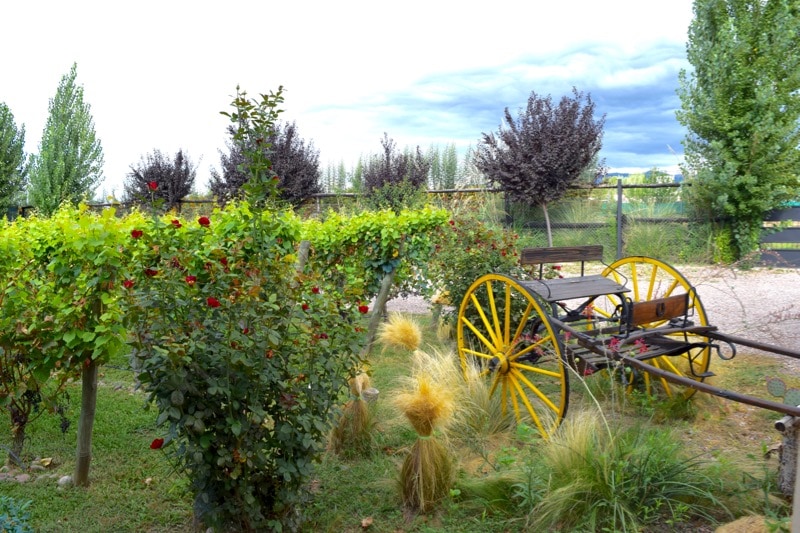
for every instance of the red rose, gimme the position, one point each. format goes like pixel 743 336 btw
pixel 363 309
pixel 323 335
pixel 191 279
pixel 246 331
pixel 305 307
pixel 136 233
pixel 212 302
pixel 156 444
pixel 452 222
pixel 152 185
pixel 315 290
pixel 204 221
pixel 176 223
pixel 150 272
pixel 128 283
pixel 224 261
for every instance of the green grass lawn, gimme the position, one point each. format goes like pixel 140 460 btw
pixel 134 488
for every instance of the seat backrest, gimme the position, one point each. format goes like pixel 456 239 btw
pixel 657 310
pixel 561 254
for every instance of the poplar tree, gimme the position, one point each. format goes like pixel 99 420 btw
pixel 741 106
pixel 13 170
pixel 449 167
pixel 69 165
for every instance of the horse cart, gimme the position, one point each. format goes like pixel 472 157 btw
pixel 639 321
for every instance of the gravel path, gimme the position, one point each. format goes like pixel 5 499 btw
pixel 762 304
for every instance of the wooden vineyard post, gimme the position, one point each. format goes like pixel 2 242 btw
pixel 789 460
pixel 378 310
pixel 86 424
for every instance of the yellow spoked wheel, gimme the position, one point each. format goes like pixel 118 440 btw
pixel 504 334
pixel 647 279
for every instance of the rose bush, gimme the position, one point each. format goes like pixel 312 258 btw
pixel 467 248
pixel 243 357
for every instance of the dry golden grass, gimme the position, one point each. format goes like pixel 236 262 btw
pixel 401 331
pixel 426 405
pixel 352 434
pixel 427 401
pixel 427 474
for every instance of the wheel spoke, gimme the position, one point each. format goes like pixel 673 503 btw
pixel 532 347
pixel 531 410
pixel 651 286
pixel 478 354
pixel 513 395
pixel 477 333
pixel 496 320
pixel 536 370
pixel 517 374
pixel 489 329
pixel 523 321
pixel 507 321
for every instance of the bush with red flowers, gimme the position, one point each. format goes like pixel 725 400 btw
pixel 465 250
pixel 221 357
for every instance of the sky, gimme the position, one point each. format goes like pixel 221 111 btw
pixel 157 74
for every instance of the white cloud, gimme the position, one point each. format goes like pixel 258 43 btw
pixel 157 73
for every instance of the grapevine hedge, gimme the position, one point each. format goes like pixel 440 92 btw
pixel 244 357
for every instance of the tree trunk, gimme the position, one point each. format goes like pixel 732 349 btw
pixel 378 310
pixel 86 423
pixel 547 224
pixel 17 442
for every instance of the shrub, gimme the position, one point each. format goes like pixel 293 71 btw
pixel 244 359
pixel 466 249
pixel 14 516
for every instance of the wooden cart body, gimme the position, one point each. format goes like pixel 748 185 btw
pixel 639 320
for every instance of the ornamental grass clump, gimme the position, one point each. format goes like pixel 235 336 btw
pixel 400 331
pixel 352 434
pixel 428 472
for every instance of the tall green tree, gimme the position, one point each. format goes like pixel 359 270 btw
pixel 69 165
pixel 435 172
pixel 449 167
pixel 13 170
pixel 741 106
pixel 544 151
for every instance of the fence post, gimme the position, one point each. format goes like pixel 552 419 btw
pixel 620 220
pixel 789 461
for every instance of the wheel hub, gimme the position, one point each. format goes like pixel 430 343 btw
pixel 499 363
